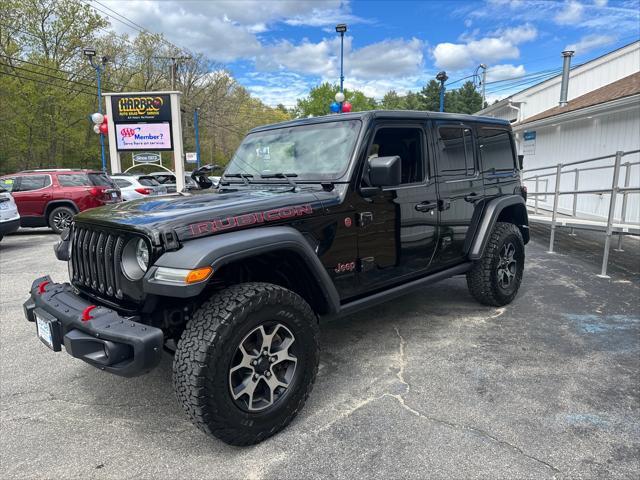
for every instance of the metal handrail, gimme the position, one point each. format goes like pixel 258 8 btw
pixel 613 192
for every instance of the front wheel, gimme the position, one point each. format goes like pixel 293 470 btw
pixel 246 362
pixel 496 277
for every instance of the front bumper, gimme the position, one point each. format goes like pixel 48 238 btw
pixel 105 340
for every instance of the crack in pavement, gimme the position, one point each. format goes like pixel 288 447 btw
pixel 402 361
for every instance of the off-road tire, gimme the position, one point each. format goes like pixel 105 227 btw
pixel 55 213
pixel 205 351
pixel 482 279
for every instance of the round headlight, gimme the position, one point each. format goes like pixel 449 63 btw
pixel 142 255
pixel 135 259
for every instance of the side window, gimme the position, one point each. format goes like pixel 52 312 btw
pixel 456 152
pixel 121 182
pixel 8 183
pixel 405 142
pixel 34 182
pixel 74 180
pixel 496 149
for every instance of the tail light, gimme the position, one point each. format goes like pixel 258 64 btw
pixel 144 191
pixel 96 192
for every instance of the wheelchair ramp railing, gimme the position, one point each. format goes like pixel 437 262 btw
pixel 620 226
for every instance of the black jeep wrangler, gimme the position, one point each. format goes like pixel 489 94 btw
pixel 312 218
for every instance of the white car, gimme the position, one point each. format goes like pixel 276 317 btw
pixel 133 187
pixel 9 216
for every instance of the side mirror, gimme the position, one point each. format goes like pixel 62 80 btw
pixel 520 161
pixel 385 171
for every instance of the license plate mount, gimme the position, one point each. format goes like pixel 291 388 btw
pixel 49 330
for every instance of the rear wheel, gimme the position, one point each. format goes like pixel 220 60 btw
pixel 60 218
pixel 496 277
pixel 246 362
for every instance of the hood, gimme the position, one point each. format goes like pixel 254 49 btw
pixel 208 212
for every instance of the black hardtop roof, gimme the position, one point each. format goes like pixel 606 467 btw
pixel 386 114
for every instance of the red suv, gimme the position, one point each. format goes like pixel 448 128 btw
pixel 52 197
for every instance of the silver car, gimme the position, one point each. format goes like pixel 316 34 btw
pixel 9 216
pixel 133 187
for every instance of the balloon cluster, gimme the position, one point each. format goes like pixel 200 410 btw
pixel 340 105
pixel 99 123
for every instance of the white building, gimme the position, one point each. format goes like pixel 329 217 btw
pixel 601 117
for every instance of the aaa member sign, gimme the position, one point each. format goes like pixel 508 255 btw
pixel 143 136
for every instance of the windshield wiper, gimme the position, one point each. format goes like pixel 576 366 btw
pixel 244 176
pixel 286 176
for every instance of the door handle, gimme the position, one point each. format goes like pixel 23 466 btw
pixel 472 197
pixel 425 206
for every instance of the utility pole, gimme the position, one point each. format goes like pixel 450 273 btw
pixel 484 81
pixel 174 67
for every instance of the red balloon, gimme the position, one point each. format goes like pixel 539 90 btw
pixel 103 128
pixel 346 107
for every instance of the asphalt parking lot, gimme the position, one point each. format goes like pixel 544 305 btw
pixel 431 385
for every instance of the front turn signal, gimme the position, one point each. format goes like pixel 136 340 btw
pixel 198 275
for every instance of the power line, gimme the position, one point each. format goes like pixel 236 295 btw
pixel 46 75
pixel 43 82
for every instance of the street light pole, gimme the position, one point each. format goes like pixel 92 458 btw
pixel 195 125
pixel 341 28
pixel 442 77
pixel 90 53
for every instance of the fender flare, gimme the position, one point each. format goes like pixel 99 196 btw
pixel 62 202
pixel 488 218
pixel 219 250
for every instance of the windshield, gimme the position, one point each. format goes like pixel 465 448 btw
pixel 308 152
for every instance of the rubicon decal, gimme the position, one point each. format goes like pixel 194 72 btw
pixel 255 218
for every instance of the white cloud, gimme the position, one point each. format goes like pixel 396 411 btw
pixel 571 14
pixel 499 45
pixel 389 58
pixel 600 3
pixel 504 71
pixel 590 42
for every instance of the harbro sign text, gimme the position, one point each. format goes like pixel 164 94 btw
pixel 141 108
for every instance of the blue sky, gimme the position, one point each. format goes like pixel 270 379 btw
pixel 280 49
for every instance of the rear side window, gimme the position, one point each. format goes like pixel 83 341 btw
pixel 456 152
pixel 148 182
pixel 122 183
pixel 74 180
pixel 497 149
pixel 34 182
pixel 100 180
pixel 8 183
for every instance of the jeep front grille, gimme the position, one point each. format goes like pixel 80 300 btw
pixel 95 256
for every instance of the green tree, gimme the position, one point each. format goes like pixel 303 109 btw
pixel 392 101
pixel 320 98
pixel 430 96
pixel 412 101
pixel 466 99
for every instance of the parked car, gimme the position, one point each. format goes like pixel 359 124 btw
pixel 50 198
pixel 133 186
pixel 169 180
pixel 313 218
pixel 9 216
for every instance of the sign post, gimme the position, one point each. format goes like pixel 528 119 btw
pixel 142 121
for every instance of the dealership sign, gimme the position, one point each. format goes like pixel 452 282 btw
pixel 143 136
pixel 141 108
pixel 147 157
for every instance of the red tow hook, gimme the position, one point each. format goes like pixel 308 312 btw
pixel 86 313
pixel 42 285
